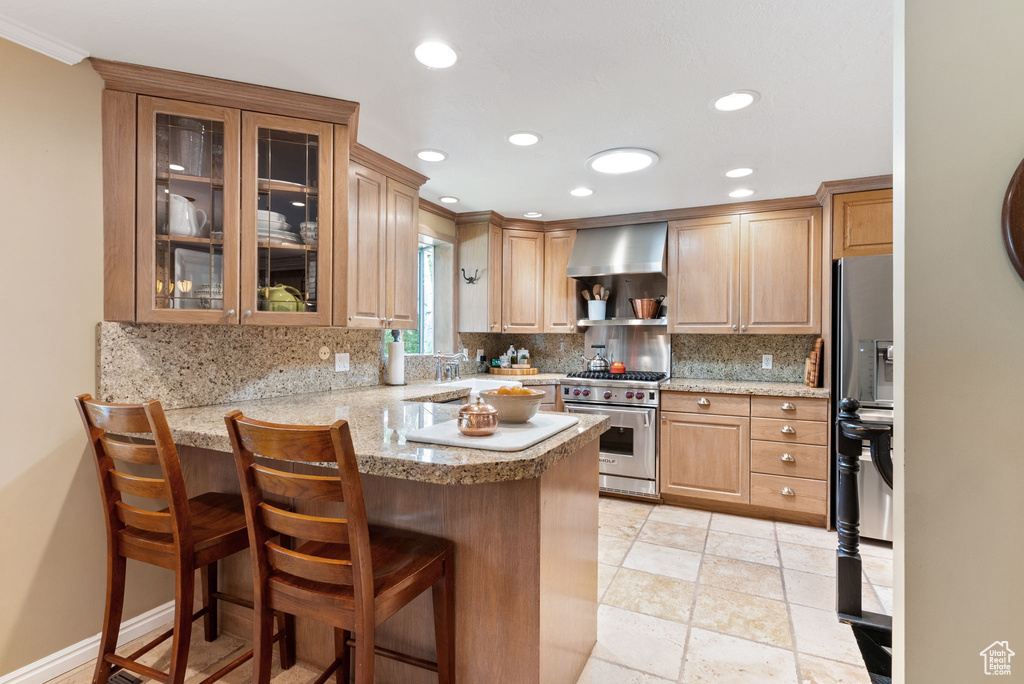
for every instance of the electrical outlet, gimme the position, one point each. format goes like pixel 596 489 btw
pixel 340 363
pixel 480 356
pixel 766 361
pixel 325 353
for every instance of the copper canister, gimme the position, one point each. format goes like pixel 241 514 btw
pixel 477 420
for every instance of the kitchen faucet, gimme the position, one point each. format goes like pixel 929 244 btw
pixel 448 365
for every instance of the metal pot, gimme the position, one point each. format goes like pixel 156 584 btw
pixel 477 420
pixel 597 362
pixel 646 308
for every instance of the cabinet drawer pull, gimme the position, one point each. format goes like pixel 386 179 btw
pixel 703 401
pixel 734 328
pixel 229 313
pixel 743 328
pixel 788 458
pixel 788 407
pixel 786 491
pixel 247 313
pixel 787 430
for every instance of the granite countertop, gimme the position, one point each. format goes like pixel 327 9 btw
pixel 379 418
pixel 777 389
pixel 538 379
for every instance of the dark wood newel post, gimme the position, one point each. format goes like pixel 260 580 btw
pixel 848 562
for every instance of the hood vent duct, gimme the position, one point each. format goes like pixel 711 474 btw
pixel 619 250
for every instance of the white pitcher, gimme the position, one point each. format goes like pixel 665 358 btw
pixel 184 220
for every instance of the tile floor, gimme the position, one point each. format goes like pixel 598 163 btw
pixel 686 596
pixel 693 597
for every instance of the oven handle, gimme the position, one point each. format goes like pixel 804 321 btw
pixel 591 408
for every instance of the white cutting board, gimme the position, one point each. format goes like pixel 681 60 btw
pixel 508 437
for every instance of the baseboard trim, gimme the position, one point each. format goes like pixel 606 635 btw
pixel 56 664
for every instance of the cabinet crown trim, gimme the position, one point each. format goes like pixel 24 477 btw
pixel 177 85
pixel 389 167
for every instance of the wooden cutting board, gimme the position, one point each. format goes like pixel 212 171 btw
pixel 508 437
pixel 513 371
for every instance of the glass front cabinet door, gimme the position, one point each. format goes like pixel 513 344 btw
pixel 187 203
pixel 286 221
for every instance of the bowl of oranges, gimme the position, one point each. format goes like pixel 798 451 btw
pixel 514 404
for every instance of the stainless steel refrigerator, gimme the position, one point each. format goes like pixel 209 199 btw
pixel 863 363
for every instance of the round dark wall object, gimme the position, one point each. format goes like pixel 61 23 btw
pixel 1013 220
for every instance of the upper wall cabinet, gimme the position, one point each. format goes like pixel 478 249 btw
pixel 522 305
pixel 379 288
pixel 560 293
pixel 479 246
pixel 753 273
pixel 862 223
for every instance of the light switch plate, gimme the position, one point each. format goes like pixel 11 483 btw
pixel 340 363
pixel 766 361
pixel 325 353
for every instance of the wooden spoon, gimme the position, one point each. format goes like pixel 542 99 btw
pixel 586 295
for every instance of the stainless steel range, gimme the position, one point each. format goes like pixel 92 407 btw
pixel 629 449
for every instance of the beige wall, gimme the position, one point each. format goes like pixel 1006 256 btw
pixel 963 314
pixel 52 544
pixel 441 225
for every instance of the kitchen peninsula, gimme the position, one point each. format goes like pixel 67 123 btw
pixel 524 526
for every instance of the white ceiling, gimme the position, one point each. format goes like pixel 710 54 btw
pixel 587 75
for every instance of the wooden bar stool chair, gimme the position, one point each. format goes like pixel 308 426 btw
pixel 347 574
pixel 188 534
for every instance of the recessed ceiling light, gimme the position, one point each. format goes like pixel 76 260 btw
pixel 622 160
pixel 736 100
pixel 741 192
pixel 435 54
pixel 739 173
pixel 298 204
pixel 524 138
pixel 581 192
pixel 176 167
pixel 448 199
pixel 533 214
pixel 431 155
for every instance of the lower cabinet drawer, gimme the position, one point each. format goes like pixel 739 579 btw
pixel 706 403
pixel 550 392
pixel 788 493
pixel 548 407
pixel 790 460
pixel 789 431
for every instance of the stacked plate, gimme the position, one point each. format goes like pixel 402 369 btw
pixel 273 227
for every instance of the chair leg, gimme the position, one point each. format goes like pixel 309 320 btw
pixel 444 623
pixel 184 593
pixel 263 643
pixel 111 617
pixel 286 646
pixel 365 644
pixel 208 574
pixel 341 650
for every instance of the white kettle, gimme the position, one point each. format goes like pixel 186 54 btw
pixel 183 219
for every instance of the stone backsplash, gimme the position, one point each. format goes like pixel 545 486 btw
pixel 550 353
pixel 738 357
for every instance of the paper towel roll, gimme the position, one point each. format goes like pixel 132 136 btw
pixel 396 363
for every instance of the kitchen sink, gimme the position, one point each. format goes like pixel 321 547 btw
pixel 477 385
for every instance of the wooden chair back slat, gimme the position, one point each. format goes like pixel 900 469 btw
pixel 251 438
pixel 118 418
pixel 299 526
pixel 295 486
pixel 130 452
pixel 146 487
pixel 309 444
pixel 315 568
pixel 144 520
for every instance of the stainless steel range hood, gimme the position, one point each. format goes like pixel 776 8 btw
pixel 619 250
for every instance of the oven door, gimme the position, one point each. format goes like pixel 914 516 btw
pixel 629 447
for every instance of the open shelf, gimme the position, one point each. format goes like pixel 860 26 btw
pixel 584 322
pixel 264 185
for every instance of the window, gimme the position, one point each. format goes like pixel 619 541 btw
pixel 435 331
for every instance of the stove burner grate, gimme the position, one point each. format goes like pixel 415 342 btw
pixel 630 376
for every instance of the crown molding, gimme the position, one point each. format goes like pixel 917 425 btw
pixel 437 209
pixel 389 167
pixel 468 217
pixel 26 36
pixel 837 187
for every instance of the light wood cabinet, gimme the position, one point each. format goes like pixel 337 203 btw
pixel 402 240
pixel 383 272
pixel 703 275
pixel 862 223
pixel 522 306
pixel 367 252
pixel 780 272
pixel 752 273
pixel 560 293
pixel 479 248
pixel 705 456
